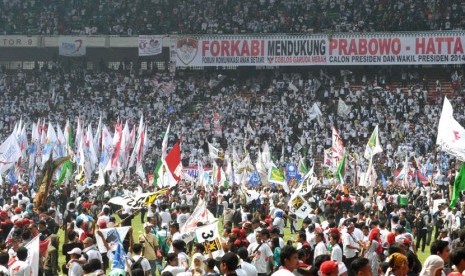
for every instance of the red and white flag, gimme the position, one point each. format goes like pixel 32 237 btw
pixel 173 163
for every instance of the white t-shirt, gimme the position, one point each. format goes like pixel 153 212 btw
pixel 75 269
pixel 336 253
pixel 283 272
pixel 144 263
pixel 165 217
pixel 320 249
pixel 246 269
pixel 20 268
pixel 174 269
pixel 262 256
pixel 347 239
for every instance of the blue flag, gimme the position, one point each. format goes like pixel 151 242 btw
pixel 119 257
pixel 383 180
pixel 254 178
pixel 11 177
pixel 291 171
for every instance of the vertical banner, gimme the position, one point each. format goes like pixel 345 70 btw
pixel 150 45
pixel 71 46
pixel 208 236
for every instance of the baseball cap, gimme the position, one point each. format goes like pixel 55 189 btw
pixel 328 267
pixel 148 224
pixel 102 224
pixel 164 225
pixel 75 250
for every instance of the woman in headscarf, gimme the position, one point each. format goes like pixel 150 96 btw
pixel 197 265
pixel 433 266
pixel 373 250
pixel 398 265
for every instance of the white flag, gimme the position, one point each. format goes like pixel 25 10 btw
pixel 315 113
pixel 200 214
pixel 299 206
pixel 208 236
pixel 113 236
pixel 10 152
pixel 342 108
pixel 451 135
pixel 33 255
pixel 293 87
pixel 373 146
pixel 212 151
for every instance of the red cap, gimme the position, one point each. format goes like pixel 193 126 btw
pixel 102 224
pixel 3 214
pixel 18 210
pixel 19 223
pixel 86 205
pixel 328 267
pixel 27 221
pixel 407 241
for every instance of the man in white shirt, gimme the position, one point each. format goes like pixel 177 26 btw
pixel 336 251
pixel 91 251
pixel 74 268
pixel 245 268
pixel 165 216
pixel 261 255
pixel 182 218
pixel 350 245
pixel 21 267
pixel 320 248
pixel 144 263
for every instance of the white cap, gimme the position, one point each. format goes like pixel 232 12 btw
pixel 127 210
pixel 148 224
pixel 75 250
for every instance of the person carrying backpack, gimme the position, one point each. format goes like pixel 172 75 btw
pixel 137 262
pixel 421 222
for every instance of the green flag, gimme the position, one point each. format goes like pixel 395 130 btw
pixel 302 168
pixel 340 171
pixel 459 186
pixel 158 173
pixel 67 167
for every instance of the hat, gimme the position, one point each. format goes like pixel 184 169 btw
pixel 75 250
pixel 406 241
pixel 27 221
pixel 3 214
pixel 328 267
pixel 19 223
pixel 164 225
pixel 102 224
pixel 18 210
pixel 400 228
pixel 443 230
pixel 148 224
pixel 247 225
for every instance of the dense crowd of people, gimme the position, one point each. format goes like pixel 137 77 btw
pixel 52 17
pixel 356 230
pixel 346 233
pixel 243 111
